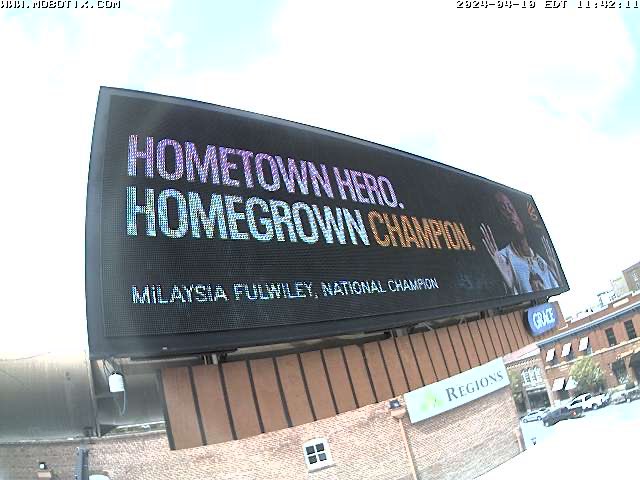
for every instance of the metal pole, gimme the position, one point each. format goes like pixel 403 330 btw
pixel 407 449
pixel 82 464
pixel 92 393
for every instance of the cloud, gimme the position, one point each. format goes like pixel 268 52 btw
pixel 433 63
pixel 53 65
pixel 516 96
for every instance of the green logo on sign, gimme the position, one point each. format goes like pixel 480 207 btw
pixel 429 401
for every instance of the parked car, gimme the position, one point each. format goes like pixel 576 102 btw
pixel 622 396
pixel 605 399
pixel 587 401
pixel 618 397
pixel 534 415
pixel 558 414
pixel 632 394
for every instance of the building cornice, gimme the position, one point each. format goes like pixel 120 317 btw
pixel 627 311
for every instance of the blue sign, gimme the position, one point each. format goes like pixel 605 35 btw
pixel 542 318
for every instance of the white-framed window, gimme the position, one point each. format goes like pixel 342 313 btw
pixel 531 376
pixel 566 349
pixel 317 454
pixel 536 376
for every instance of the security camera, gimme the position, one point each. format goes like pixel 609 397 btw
pixel 116 383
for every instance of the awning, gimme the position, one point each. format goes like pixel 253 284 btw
pixel 558 384
pixel 571 384
pixel 566 349
pixel 550 354
pixel 584 343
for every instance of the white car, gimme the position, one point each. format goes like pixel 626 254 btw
pixel 587 401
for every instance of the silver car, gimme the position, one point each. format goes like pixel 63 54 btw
pixel 535 415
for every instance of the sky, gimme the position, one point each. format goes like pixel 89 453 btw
pixel 543 100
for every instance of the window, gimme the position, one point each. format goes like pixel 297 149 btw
pixel 584 344
pixel 531 376
pixel 566 349
pixel 316 454
pixel 537 376
pixel 631 331
pixel 620 371
pixel 558 384
pixel 551 354
pixel 611 337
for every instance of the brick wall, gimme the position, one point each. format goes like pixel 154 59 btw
pixel 603 354
pixel 365 443
pixel 604 358
pixel 529 362
pixel 468 441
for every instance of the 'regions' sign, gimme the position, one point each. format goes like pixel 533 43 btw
pixel 437 398
pixel 210 228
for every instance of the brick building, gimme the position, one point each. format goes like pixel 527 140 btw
pixel 253 415
pixel 286 349
pixel 366 443
pixel 609 337
pixel 632 277
pixel 528 366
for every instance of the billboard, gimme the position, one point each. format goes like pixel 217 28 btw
pixel 210 228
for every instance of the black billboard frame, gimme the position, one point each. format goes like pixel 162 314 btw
pixel 101 346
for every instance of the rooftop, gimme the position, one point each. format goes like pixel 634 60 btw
pixel 621 311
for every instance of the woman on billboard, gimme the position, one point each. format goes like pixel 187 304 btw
pixel 522 269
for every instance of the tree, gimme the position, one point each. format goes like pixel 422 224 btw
pixel 588 376
pixel 517 391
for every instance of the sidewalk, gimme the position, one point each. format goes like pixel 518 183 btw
pixel 603 444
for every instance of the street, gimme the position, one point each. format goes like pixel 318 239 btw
pixel 602 443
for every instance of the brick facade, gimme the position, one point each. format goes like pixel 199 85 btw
pixel 365 443
pixel 598 345
pixel 605 358
pixel 467 441
pixel 529 358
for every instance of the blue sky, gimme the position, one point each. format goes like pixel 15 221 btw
pixel 226 33
pixel 624 117
pixel 544 101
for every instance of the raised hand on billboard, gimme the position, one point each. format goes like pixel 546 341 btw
pixel 492 249
pixel 553 262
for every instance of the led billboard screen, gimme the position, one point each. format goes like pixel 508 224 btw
pixel 210 228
